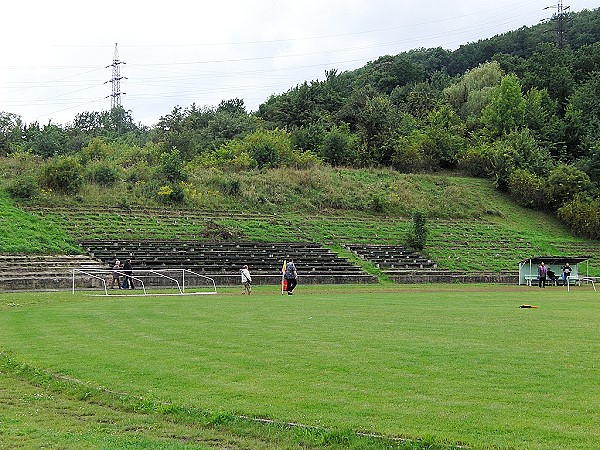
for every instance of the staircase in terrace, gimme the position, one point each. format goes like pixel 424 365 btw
pixel 222 261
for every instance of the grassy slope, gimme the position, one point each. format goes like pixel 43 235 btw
pixel 22 232
pixel 472 226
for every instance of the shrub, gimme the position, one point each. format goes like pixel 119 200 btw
pixel 23 187
pixel 527 189
pixel 378 203
pixel 274 148
pixel 339 146
pixel 102 173
pixel 95 150
pixel 475 161
pixel 230 186
pixel 229 156
pixel 170 167
pixel 565 182
pixel 171 194
pixel 137 172
pixel 408 154
pixel 416 237
pixel 62 174
pixel 582 216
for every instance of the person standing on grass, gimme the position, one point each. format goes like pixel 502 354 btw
pixel 116 275
pixel 567 269
pixel 246 280
pixel 291 275
pixel 542 272
pixel 128 271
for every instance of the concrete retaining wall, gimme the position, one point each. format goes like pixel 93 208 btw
pixel 452 277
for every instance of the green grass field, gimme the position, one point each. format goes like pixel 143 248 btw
pixel 439 365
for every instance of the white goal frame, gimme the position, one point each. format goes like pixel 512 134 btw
pixel 104 275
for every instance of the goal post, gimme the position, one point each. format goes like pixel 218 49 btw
pixel 149 282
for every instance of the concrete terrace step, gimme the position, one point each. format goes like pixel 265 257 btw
pixel 34 272
pixel 223 260
pixel 391 256
pixel 453 277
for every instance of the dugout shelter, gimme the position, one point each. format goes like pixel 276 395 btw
pixel 528 268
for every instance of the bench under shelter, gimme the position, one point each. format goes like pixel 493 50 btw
pixel 528 268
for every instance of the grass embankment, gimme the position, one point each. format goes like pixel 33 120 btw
pixel 472 226
pixel 22 232
pixel 450 364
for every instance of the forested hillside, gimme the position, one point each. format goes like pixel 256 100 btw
pixel 516 108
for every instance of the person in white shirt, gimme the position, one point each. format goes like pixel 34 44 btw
pixel 246 280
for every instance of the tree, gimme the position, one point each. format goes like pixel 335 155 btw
pixel 170 167
pixel 339 146
pixel 51 140
pixel 378 123
pixel 445 131
pixel 517 150
pixel 303 104
pixel 472 92
pixel 586 61
pixel 583 117
pixel 592 164
pixel 233 106
pixel 550 68
pixel 11 130
pixel 185 130
pixel 418 99
pixel 541 117
pixel 506 110
pixel 387 72
pixel 226 123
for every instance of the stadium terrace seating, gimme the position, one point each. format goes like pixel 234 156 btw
pixel 405 266
pixel 223 260
pixel 391 257
pixel 31 272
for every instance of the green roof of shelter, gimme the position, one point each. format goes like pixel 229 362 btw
pixel 555 259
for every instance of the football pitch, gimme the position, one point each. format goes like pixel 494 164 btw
pixel 449 365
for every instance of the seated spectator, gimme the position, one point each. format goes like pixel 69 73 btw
pixel 552 277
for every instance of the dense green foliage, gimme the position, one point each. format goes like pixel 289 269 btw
pixel 516 108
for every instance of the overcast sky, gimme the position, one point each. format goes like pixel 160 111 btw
pixel 54 58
